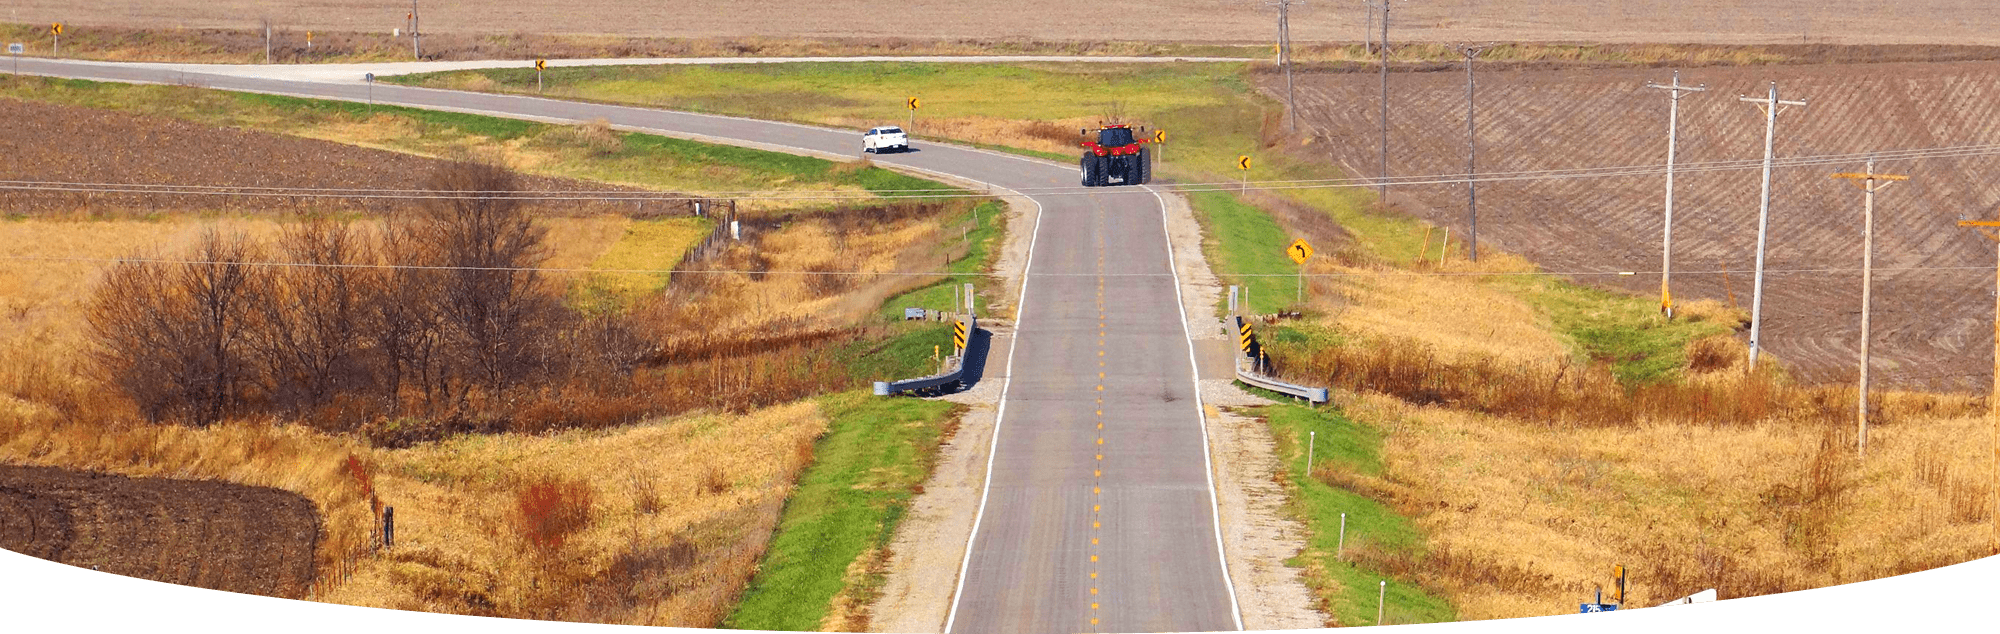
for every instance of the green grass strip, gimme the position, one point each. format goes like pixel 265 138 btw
pixel 864 471
pixel 1350 591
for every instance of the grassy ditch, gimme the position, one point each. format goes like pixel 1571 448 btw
pixel 1344 450
pixel 981 231
pixel 834 534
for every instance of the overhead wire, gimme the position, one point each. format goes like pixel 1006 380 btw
pixel 1967 151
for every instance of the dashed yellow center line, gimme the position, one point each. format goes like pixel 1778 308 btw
pixel 1097 510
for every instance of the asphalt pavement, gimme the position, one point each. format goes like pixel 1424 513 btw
pixel 1099 514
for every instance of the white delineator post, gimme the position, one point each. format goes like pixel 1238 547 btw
pixel 1340 547
pixel 1312 440
pixel 1771 107
pixel 1667 225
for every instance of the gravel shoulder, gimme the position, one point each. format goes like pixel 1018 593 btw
pixel 1257 536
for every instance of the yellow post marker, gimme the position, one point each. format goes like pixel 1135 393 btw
pixel 540 65
pixel 913 103
pixel 1243 163
pixel 1159 138
pixel 55 46
pixel 1619 573
pixel 1995 398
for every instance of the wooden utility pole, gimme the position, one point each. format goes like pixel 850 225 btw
pixel 1870 182
pixel 1285 55
pixel 1667 224
pixel 1993 400
pixel 1382 188
pixel 1471 154
pixel 1771 106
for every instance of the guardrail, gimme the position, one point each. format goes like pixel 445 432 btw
pixel 952 377
pixel 1315 395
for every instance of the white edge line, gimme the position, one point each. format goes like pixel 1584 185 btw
pixel 1194 369
pixel 1000 417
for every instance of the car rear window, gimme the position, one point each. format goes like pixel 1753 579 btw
pixel 892 130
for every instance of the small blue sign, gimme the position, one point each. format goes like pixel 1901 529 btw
pixel 1588 608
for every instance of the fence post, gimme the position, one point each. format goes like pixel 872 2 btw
pixel 389 527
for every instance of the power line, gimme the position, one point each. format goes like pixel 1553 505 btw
pixel 1337 274
pixel 1945 152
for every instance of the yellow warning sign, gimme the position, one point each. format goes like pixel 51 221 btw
pixel 914 103
pixel 1243 162
pixel 1300 251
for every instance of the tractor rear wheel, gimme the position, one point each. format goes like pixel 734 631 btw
pixel 1145 166
pixel 1089 168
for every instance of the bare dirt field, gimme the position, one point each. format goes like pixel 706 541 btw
pixel 213 535
pixel 1707 21
pixel 68 144
pixel 1933 306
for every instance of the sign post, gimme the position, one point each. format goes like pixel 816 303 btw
pixel 1300 252
pixel 1159 139
pixel 540 65
pixel 371 93
pixel 55 44
pixel 16 49
pixel 1243 163
pixel 913 103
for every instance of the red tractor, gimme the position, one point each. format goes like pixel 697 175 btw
pixel 1116 156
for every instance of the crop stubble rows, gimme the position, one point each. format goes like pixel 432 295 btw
pixel 1932 307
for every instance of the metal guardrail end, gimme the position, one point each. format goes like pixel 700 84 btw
pixel 881 388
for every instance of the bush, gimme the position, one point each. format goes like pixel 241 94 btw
pixel 551 510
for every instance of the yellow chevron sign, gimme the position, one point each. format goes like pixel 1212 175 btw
pixel 1249 337
pixel 541 64
pixel 958 335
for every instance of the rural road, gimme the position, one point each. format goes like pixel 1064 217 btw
pixel 1099 513
pixel 356 73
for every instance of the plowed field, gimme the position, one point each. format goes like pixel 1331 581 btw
pixel 213 535
pixel 69 144
pixel 1933 279
pixel 1705 21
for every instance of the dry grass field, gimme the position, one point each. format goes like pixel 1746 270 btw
pixel 1710 21
pixel 658 513
pixel 1933 306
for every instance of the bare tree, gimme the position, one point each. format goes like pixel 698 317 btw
pixel 172 334
pixel 310 332
pixel 496 312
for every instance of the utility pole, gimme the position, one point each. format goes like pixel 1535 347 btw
pixel 1870 182
pixel 1285 55
pixel 1471 153
pixel 1771 107
pixel 416 40
pixel 1667 225
pixel 1993 400
pixel 1368 28
pixel 1382 187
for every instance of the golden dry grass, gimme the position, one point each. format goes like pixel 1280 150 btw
pixel 1435 311
pixel 1683 507
pixel 1525 515
pixel 712 482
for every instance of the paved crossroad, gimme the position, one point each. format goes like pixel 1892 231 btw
pixel 1099 514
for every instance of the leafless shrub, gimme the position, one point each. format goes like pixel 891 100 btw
pixel 173 335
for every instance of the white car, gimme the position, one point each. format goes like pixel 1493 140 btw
pixel 885 139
